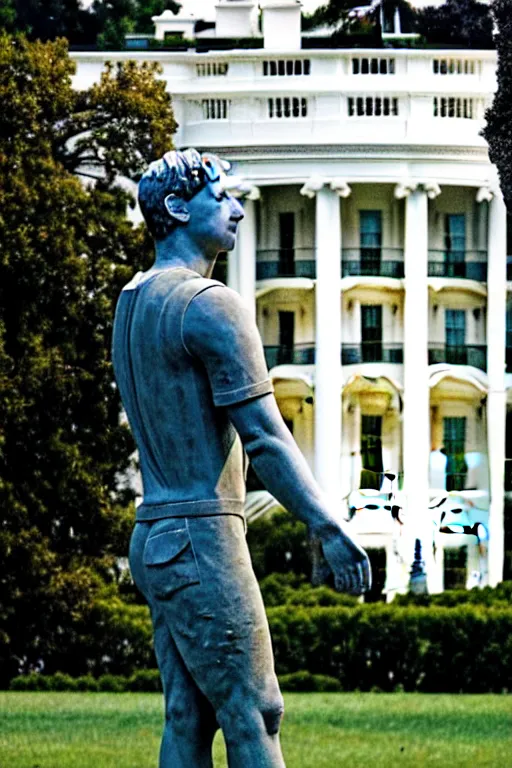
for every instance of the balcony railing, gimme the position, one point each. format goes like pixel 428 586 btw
pixel 285 262
pixel 467 354
pixel 467 265
pixel 371 352
pixel 299 354
pixel 372 262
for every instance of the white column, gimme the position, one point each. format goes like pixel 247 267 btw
pixel 328 414
pixel 416 411
pixel 246 255
pixel 233 259
pixel 496 401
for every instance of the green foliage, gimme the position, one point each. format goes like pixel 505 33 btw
pixel 66 251
pixel 279 544
pixel 293 589
pixel 463 649
pixel 143 681
pixel 499 597
pixel 105 22
pixel 498 131
pixel 48 19
pixel 299 682
pixel 461 23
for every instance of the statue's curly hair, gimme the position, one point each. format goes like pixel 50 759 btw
pixel 180 174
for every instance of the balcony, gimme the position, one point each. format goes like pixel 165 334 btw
pixel 371 352
pixel 467 265
pixel 299 354
pixel 372 262
pixel 467 354
pixel 285 262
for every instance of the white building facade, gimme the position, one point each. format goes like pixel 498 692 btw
pixel 374 252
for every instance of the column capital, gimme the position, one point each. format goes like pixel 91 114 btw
pixel 313 185
pixel 241 188
pixel 484 194
pixel 405 188
pixel 432 189
pixel 341 187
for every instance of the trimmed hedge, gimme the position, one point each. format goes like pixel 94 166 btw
pixel 145 680
pixel 148 681
pixel 436 649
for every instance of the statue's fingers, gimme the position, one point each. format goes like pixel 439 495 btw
pixel 365 574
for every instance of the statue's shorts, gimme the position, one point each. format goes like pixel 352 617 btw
pixel 212 638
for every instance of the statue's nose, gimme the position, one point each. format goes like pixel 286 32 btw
pixel 237 212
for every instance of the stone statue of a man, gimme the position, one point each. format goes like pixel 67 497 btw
pixel 192 376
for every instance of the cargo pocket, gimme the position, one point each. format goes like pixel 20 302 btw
pixel 170 563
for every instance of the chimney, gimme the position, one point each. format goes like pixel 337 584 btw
pixel 281 25
pixel 236 18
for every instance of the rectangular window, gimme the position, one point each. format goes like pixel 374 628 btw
pixel 287 107
pixel 374 66
pixel 370 238
pixel 215 109
pixel 377 559
pixel 455 328
pixel 454 446
pixel 371 451
pixel 452 106
pixel 286 244
pixel 455 66
pixel 286 337
pixel 455 244
pixel 286 67
pixel 371 333
pixel 455 567
pixel 373 106
pixel 212 69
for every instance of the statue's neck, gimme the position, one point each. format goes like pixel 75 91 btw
pixel 176 252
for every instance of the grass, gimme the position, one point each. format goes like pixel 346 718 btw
pixel 100 730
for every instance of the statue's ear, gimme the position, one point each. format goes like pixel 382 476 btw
pixel 177 208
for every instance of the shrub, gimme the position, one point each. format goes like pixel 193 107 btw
pixel 467 648
pixel 499 596
pixel 32 682
pixel 112 683
pixel 306 682
pixel 145 681
pixel 87 683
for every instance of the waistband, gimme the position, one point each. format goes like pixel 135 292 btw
pixel 150 512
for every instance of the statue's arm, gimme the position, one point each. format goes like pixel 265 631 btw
pixel 218 329
pixel 285 473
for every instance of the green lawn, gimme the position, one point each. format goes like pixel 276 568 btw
pixel 100 730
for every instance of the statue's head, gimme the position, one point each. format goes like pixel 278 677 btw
pixel 184 189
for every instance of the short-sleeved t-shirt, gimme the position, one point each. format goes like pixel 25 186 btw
pixel 183 347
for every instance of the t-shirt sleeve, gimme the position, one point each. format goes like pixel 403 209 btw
pixel 218 328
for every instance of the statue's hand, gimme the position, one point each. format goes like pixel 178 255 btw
pixel 348 562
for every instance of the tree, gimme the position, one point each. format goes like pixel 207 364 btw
pixel 49 19
pixel 106 22
pixel 498 130
pixel 66 249
pixel 464 23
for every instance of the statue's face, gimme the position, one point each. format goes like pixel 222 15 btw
pixel 214 217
